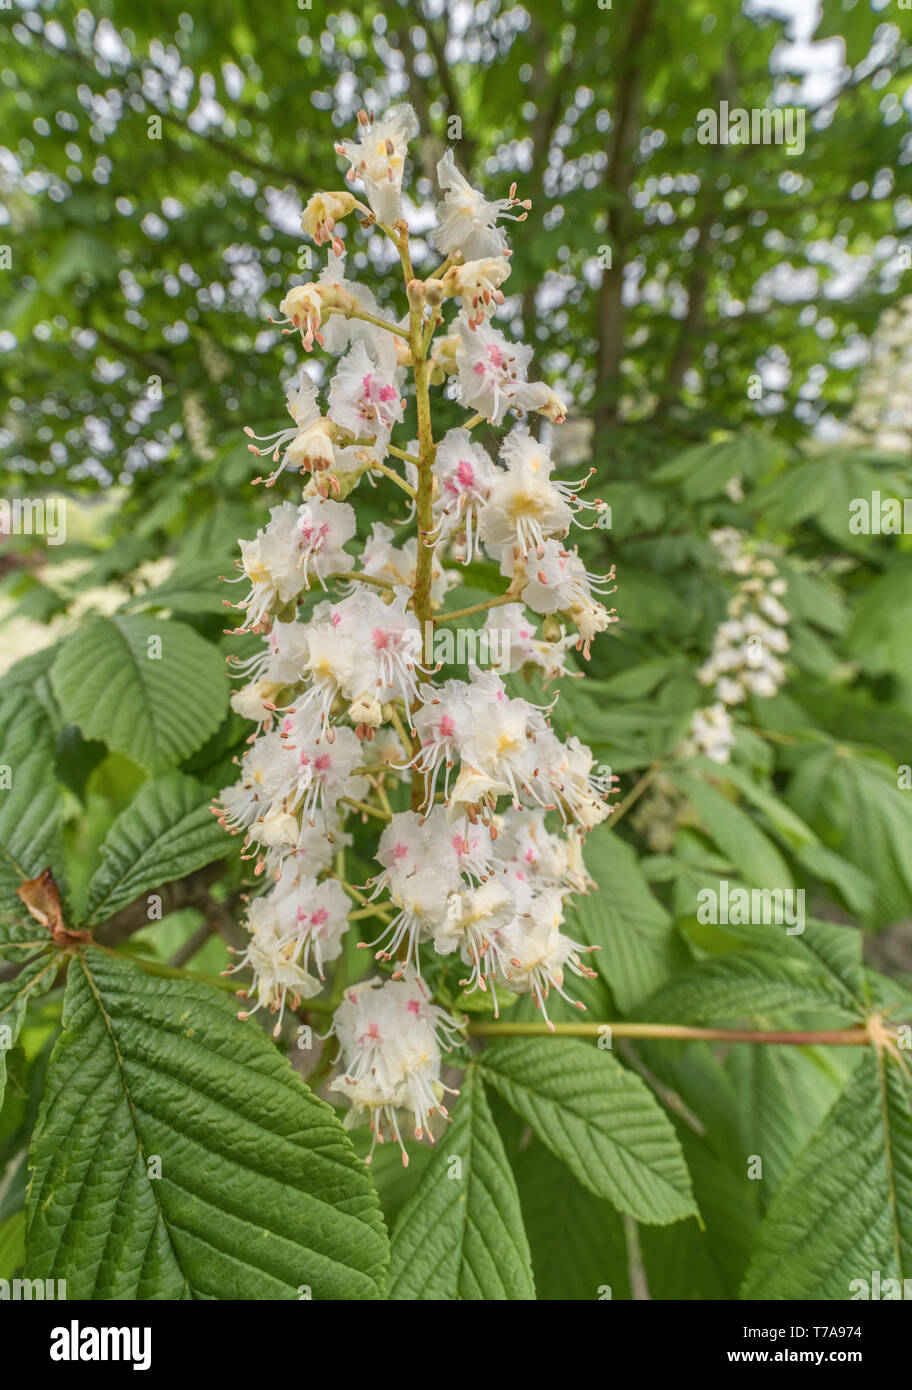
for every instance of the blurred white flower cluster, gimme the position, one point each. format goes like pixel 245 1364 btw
pixel 882 414
pixel 747 647
pixel 481 808
pixel 746 660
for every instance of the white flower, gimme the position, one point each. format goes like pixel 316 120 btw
pixel 555 580
pixel 270 563
pixel 496 756
pixel 466 221
pixel 344 712
pixel 311 856
pixel 271 955
pixel 255 701
pixel 363 650
pixel 746 647
pixel 424 860
pixel 311 451
pixel 474 926
pixel 302 307
pixel 523 506
pixel 301 402
pixel 324 771
pixel 534 954
pixel 314 914
pixel 336 292
pixel 379 159
pixel 529 851
pixel 390 1039
pixel 514 638
pixel 536 395
pixel 322 213
pixel 711 734
pixel 399 566
pixel 477 284
pixel 365 398
pixel 491 370
pixel 464 474
pixel 565 772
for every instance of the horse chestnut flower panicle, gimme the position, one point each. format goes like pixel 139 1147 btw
pixel 391 1037
pixel 482 810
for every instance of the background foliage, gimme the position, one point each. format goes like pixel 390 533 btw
pixel 136 343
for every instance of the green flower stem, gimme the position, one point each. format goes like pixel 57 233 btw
pixel 402 454
pixel 370 318
pixel 475 608
pixel 857 1036
pixel 363 806
pixel 365 579
pixel 632 796
pixel 378 467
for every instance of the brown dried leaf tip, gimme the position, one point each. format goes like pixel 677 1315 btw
pixel 42 898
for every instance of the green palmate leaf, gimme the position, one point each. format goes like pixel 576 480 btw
pixel 12 1244
pixel 704 470
pixel 782 1094
pixel 865 814
pixel 192 588
pixel 578 1246
pixel 844 1210
pixel 856 887
pixel 36 976
pixel 749 985
pixel 878 636
pixel 30 801
pixel 260 1194
pixel 600 1118
pixel 792 829
pixel 826 947
pixel 625 920
pixel 639 680
pixel 148 687
pixel 460 1235
pixel 812 599
pixel 736 834
pixel 395 1183
pixel 685 1261
pixel 167 831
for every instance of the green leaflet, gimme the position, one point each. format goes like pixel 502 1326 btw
pixel 844 1209
pixel 829 948
pixel 148 687
pixel 461 1235
pixel 30 805
pixel 736 834
pixel 749 984
pixel 624 919
pixel 600 1118
pixel 165 832
pixel 36 976
pixel 12 1244
pixel 865 815
pixel 260 1192
pixel 782 1095
pixel 577 1240
pixel 704 470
